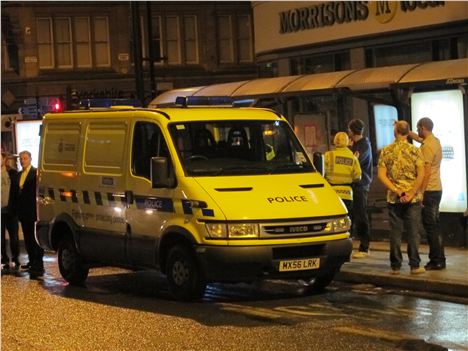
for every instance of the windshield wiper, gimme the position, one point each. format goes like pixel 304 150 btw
pixel 289 167
pixel 242 168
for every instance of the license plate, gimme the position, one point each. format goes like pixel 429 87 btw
pixel 299 265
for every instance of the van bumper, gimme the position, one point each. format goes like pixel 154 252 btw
pixel 250 263
pixel 43 235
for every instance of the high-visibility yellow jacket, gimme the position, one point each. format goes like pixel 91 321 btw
pixel 341 169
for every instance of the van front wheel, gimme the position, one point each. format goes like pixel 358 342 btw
pixel 183 274
pixel 71 264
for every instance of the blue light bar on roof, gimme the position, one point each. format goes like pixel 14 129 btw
pixel 107 102
pixel 185 101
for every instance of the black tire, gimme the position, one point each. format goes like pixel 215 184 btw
pixel 71 265
pixel 183 274
pixel 323 280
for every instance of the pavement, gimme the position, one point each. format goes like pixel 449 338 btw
pixel 375 270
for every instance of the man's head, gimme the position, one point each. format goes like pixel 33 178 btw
pixel 401 128
pixel 356 126
pixel 341 139
pixel 424 127
pixel 25 159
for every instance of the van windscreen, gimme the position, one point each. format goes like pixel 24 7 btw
pixel 238 147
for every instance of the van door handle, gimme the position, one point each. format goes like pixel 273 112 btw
pixel 129 197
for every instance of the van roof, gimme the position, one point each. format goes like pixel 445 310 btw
pixel 174 114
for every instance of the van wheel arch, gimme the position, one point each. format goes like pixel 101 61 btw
pixel 63 226
pixel 171 237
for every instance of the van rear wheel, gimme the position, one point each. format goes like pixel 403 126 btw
pixel 183 274
pixel 71 265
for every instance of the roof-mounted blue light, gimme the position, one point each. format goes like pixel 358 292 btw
pixel 185 101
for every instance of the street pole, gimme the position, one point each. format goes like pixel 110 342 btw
pixel 137 57
pixel 149 21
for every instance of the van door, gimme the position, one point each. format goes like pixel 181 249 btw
pixel 150 207
pixel 103 186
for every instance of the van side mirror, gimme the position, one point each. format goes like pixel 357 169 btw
pixel 319 163
pixel 161 174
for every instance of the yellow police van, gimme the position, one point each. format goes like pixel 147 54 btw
pixel 204 194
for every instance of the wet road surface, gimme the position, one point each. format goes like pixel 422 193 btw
pixel 123 310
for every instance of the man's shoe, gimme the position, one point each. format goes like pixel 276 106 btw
pixel 26 266
pixel 17 265
pixel 5 266
pixel 361 254
pixel 434 266
pixel 417 270
pixel 395 271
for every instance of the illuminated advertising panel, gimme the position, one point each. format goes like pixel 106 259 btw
pixel 384 117
pixel 27 138
pixel 445 109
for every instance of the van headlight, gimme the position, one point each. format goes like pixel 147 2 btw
pixel 232 230
pixel 338 225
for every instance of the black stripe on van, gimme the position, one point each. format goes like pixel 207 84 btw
pixel 308 186
pixel 51 193
pixel 86 197
pixel 98 197
pixel 62 195
pixel 74 198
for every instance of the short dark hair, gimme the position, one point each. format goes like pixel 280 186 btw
pixel 427 123
pixel 356 126
pixel 402 127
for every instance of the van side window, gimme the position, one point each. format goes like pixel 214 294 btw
pixel 148 142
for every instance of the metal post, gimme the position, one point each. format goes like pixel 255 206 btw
pixel 149 22
pixel 137 59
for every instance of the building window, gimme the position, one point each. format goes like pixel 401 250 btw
pixel 172 40
pixel 190 39
pixel 101 42
pixel 6 66
pixel 68 42
pixel 226 54
pixel 156 38
pixel 244 41
pixel 63 45
pixel 45 43
pixel 401 54
pixel 83 42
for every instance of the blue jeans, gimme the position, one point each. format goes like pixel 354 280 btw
pixel 360 218
pixel 404 217
pixel 431 222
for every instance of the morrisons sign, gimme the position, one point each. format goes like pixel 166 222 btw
pixel 339 12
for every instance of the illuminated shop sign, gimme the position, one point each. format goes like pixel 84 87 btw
pixel 339 12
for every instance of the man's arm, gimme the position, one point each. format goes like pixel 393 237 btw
pixel 417 184
pixel 382 175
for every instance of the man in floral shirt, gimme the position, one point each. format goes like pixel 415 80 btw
pixel 401 170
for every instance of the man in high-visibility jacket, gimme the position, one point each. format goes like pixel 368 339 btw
pixel 342 169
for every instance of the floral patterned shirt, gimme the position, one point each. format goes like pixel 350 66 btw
pixel 401 161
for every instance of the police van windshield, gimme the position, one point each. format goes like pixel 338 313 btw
pixel 238 147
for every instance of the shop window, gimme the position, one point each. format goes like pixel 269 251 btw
pixel 320 63
pixel 402 54
pixel 6 66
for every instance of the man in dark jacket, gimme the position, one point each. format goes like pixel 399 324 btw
pixel 361 148
pixel 9 210
pixel 27 213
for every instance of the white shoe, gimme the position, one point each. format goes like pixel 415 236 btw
pixel 361 254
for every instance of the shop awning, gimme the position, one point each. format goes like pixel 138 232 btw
pixel 374 78
pixel 264 86
pixel 438 70
pixel 318 81
pixel 223 89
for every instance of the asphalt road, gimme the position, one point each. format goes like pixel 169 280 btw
pixel 123 310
